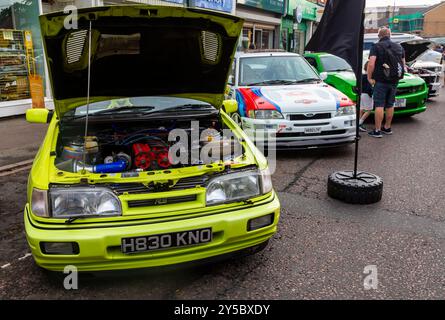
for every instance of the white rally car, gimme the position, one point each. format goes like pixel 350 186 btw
pixel 280 96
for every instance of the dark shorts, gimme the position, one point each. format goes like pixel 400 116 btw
pixel 384 95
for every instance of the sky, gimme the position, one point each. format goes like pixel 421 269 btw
pixel 378 3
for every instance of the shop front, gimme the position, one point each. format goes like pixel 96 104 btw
pixel 218 5
pixel 299 24
pixel 262 23
pixel 22 64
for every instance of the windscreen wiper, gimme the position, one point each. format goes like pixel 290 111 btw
pixel 308 80
pixel 188 107
pixel 272 82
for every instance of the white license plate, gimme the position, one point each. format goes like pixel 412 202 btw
pixel 167 240
pixel 312 130
pixel 400 103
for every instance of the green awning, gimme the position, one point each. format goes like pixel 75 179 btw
pixel 308 9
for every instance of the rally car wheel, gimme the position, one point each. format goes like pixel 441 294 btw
pixel 366 188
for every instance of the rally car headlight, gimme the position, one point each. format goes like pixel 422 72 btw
pixel 238 186
pixel 265 114
pixel 345 111
pixel 81 202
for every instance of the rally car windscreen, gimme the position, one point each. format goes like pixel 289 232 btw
pixel 256 70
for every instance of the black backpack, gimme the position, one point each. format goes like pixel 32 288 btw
pixel 391 64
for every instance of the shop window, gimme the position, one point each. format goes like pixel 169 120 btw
pixel 14 84
pixel 21 52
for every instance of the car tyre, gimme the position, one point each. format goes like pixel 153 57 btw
pixel 366 188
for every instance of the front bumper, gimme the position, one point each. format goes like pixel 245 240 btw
pixel 282 133
pixel 415 103
pixel 434 89
pixel 99 247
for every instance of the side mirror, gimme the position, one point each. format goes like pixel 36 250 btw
pixel 227 91
pixel 230 106
pixel 38 115
pixel 323 76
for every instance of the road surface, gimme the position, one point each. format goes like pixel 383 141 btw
pixel 322 246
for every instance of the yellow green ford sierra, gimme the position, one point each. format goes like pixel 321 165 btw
pixel 141 165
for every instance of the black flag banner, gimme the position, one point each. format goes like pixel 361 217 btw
pixel 340 32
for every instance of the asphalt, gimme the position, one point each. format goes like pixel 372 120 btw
pixel 321 248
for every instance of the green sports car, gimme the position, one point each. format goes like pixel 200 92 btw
pixel 412 91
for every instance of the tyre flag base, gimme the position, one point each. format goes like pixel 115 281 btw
pixel 363 188
pixel 333 35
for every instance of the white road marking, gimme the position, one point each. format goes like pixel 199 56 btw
pixel 5 266
pixel 25 256
pixel 15 167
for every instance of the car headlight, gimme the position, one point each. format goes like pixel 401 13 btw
pixel 345 111
pixel 265 114
pixel 39 203
pixel 81 202
pixel 239 186
pixel 266 181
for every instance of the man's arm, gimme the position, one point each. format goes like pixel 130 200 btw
pixel 371 68
pixel 405 69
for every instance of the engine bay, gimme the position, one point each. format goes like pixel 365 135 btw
pixel 114 147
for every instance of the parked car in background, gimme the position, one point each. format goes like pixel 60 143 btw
pixel 412 91
pixel 371 38
pixel 425 63
pixel 279 94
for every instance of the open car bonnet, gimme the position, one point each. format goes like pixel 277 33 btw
pixel 139 50
pixel 415 48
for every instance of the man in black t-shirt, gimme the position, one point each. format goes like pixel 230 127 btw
pixel 384 89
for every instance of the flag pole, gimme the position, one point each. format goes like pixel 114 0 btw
pixel 353 186
pixel 359 90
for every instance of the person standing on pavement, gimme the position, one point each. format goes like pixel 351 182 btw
pixel 386 67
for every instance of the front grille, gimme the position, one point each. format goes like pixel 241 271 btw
pixel 430 79
pixel 318 124
pixel 161 201
pixel 302 134
pixel 408 90
pixel 304 117
pixel 139 188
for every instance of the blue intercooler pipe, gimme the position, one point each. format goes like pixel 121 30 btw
pixel 115 167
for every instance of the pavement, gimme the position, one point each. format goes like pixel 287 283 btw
pixel 19 140
pixel 321 249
